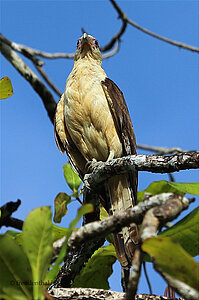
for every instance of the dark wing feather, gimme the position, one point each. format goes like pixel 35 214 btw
pixel 121 116
pixel 120 113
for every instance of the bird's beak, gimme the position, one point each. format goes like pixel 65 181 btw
pixel 85 38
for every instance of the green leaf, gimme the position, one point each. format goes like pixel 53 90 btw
pixel 15 270
pixel 189 188
pixel 71 178
pixel 173 259
pixel 37 244
pixel 97 270
pixel 6 89
pixel 87 208
pixel 186 232
pixel 60 202
pixel 51 275
pixel 84 209
pixel 59 232
pixel 104 215
pixel 158 187
pixel 12 233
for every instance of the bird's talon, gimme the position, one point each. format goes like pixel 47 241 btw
pixel 91 165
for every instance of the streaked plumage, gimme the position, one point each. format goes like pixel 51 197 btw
pixel 92 122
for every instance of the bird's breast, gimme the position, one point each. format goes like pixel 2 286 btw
pixel 88 117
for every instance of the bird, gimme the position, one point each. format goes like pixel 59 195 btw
pixel 92 123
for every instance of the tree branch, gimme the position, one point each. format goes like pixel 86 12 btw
pixel 85 293
pixel 125 20
pixel 160 150
pixel 28 51
pixel 114 223
pixel 115 38
pixel 135 274
pixel 31 53
pixel 152 221
pixel 150 163
pixel 48 81
pixel 6 211
pixel 75 261
pixel 31 77
pixel 96 294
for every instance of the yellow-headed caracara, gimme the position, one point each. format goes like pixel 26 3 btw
pixel 92 122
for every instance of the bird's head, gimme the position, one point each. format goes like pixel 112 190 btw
pixel 87 46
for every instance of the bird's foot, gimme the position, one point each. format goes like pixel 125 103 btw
pixel 91 165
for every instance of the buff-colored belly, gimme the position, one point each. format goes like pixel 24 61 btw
pixel 89 120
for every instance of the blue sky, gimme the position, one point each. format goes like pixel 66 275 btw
pixel 159 82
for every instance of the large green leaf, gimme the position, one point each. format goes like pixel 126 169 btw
pixel 71 178
pixel 59 232
pixel 84 209
pixel 60 202
pixel 15 274
pixel 186 232
pixel 97 270
pixel 158 187
pixel 173 259
pixel 37 244
pixel 5 88
pixel 187 188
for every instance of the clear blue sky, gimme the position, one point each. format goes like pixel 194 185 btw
pixel 159 82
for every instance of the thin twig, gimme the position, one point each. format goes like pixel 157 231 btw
pixel 160 150
pixel 113 52
pixel 47 79
pixel 31 53
pixel 125 20
pixel 115 38
pixel 147 278
pixel 27 51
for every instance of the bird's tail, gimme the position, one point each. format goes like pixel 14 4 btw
pixel 122 197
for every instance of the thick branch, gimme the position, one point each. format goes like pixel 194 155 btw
pixel 125 20
pixel 6 212
pixel 31 77
pixel 75 261
pixel 96 294
pixel 114 223
pixel 153 220
pixel 150 163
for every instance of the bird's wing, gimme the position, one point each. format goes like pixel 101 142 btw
pixel 122 188
pixel 120 113
pixel 119 110
pixel 64 141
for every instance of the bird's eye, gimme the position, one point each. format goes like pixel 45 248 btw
pixel 78 43
pixel 96 43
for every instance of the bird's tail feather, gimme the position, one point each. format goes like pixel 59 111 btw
pixel 121 198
